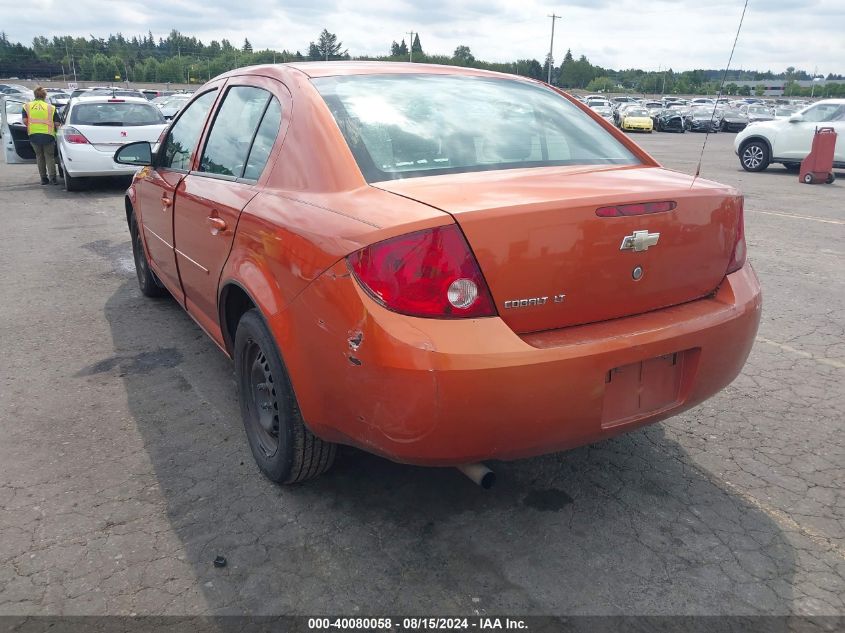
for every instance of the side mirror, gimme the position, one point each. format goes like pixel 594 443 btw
pixel 796 118
pixel 138 153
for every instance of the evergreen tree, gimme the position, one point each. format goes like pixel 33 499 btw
pixel 416 47
pixel 463 56
pixel 247 47
pixel 403 48
pixel 394 49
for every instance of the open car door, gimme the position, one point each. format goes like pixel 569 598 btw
pixel 16 147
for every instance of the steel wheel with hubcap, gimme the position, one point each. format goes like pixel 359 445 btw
pixel 754 156
pixel 283 447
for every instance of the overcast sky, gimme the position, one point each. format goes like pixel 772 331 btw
pixel 648 34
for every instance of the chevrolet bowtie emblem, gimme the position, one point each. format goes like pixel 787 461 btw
pixel 639 241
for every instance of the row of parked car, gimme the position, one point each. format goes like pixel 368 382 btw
pixel 672 114
pixel 768 132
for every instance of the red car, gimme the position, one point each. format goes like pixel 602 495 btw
pixel 439 265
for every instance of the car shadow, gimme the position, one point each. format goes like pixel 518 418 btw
pixel 626 526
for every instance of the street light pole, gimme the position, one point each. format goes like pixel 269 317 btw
pixel 552 44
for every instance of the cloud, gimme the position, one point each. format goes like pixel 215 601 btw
pixel 649 34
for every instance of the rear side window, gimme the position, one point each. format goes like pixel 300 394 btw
pixel 118 114
pixel 264 140
pixel 183 136
pixel 233 131
pixel 404 126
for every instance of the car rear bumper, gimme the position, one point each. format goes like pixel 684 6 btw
pixel 84 160
pixel 440 392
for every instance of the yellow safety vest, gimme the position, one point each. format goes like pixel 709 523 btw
pixel 39 118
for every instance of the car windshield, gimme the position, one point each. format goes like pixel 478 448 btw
pixel 120 114
pixel 759 110
pixel 635 112
pixel 402 126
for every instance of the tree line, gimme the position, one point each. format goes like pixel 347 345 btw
pixel 179 58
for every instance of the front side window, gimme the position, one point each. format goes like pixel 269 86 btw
pixel 183 136
pixel 404 126
pixel 824 113
pixel 232 132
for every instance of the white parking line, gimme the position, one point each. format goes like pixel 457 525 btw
pixel 788 348
pixel 799 217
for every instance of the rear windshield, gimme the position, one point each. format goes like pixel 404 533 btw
pixel 405 126
pixel 122 114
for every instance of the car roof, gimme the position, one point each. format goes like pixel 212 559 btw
pixel 347 68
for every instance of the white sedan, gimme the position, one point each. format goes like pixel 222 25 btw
pixel 95 127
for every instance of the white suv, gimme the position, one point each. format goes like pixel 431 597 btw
pixel 788 141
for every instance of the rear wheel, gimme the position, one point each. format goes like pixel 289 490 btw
pixel 754 156
pixel 147 282
pixel 71 183
pixel 285 450
pixel 808 179
pixel 830 178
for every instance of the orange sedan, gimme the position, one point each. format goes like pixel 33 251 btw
pixel 439 265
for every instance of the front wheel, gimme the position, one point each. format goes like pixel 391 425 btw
pixel 754 156
pixel 147 282
pixel 830 178
pixel 808 179
pixel 285 450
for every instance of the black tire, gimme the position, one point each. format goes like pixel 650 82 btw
pixel 808 179
pixel 71 183
pixel 283 447
pixel 148 283
pixel 754 156
pixel 830 178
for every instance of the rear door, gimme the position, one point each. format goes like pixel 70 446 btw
pixel 16 146
pixel 156 189
pixel 251 117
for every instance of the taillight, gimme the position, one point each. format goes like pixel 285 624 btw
pixel 739 251
pixel 72 135
pixel 428 273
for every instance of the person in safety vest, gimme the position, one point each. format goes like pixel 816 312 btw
pixel 41 119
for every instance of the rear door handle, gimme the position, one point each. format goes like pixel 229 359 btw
pixel 166 201
pixel 217 225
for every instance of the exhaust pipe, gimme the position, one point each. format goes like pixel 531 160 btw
pixel 479 473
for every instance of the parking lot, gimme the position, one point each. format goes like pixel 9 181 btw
pixel 124 469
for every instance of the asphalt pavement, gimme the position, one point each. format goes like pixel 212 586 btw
pixel 124 469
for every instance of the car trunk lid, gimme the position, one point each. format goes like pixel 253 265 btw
pixel 550 261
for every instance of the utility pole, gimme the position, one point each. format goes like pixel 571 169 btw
pixel 411 47
pixel 552 44
pixel 70 60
